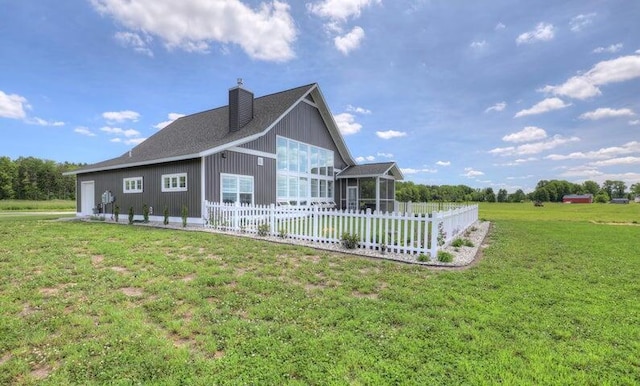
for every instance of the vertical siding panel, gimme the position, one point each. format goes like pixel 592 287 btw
pixel 152 194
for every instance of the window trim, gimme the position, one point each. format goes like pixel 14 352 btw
pixel 177 188
pixel 238 192
pixel 135 181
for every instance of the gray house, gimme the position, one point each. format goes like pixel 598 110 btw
pixel 282 148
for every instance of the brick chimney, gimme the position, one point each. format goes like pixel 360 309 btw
pixel 240 107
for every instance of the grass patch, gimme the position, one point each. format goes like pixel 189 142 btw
pixel 552 302
pixel 49 205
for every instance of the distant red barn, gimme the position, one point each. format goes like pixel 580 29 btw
pixel 577 198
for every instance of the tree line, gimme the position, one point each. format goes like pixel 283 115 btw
pixel 30 178
pixel 546 191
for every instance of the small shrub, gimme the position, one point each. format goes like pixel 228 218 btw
pixel 184 213
pixel 96 218
pixel 165 213
pixel 263 230
pixel 445 257
pixel 145 212
pixel 130 215
pixel 457 243
pixel 282 233
pixel 350 241
pixel 116 213
pixel 422 257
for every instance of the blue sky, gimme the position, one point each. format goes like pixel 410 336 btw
pixel 496 93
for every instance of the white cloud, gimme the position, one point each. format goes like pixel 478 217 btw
pixel 472 173
pixel 606 112
pixel 634 122
pixel 84 131
pixel 134 141
pixel 587 172
pixel 120 132
pixel 121 116
pixel 579 22
pixel 350 41
pixel 347 123
pixel 617 161
pixel 43 122
pixel 603 153
pixel 544 106
pixel 385 155
pixel 368 158
pixel 443 163
pixel 13 106
pixel 172 117
pixel 497 107
pixel 612 48
pixel 340 9
pixel 478 45
pixel 264 33
pixel 609 71
pixel 358 110
pixel 542 32
pixel 533 148
pixel 390 134
pixel 407 171
pixel 499 26
pixel 135 41
pixel 528 134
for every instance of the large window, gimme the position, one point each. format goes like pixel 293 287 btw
pixel 235 188
pixel 174 182
pixel 132 185
pixel 305 172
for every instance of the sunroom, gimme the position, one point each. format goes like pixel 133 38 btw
pixel 368 186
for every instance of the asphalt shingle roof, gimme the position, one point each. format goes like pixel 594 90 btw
pixel 370 170
pixel 202 131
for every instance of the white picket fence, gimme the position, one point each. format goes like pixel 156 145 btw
pixel 396 232
pixel 426 207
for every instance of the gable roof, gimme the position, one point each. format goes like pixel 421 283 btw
pixel 571 196
pixel 207 132
pixel 372 170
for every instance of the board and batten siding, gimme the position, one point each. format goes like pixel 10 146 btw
pixel 152 194
pixel 304 123
pixel 264 177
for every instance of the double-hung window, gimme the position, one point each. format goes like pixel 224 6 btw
pixel 174 182
pixel 236 188
pixel 132 185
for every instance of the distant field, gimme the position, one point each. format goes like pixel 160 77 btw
pixel 26 205
pixel 603 213
pixel 553 301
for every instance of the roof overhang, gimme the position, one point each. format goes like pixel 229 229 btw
pixel 393 171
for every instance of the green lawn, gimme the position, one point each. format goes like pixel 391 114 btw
pixel 30 205
pixel 554 301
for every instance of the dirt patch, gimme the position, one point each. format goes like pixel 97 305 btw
pixel 313 287
pixel 189 278
pixel 5 358
pixel 313 258
pixel 40 373
pixel 179 341
pixel 218 354
pixel 27 310
pixel 97 259
pixel 120 269
pixel 49 291
pixel 132 291
pixel 360 295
